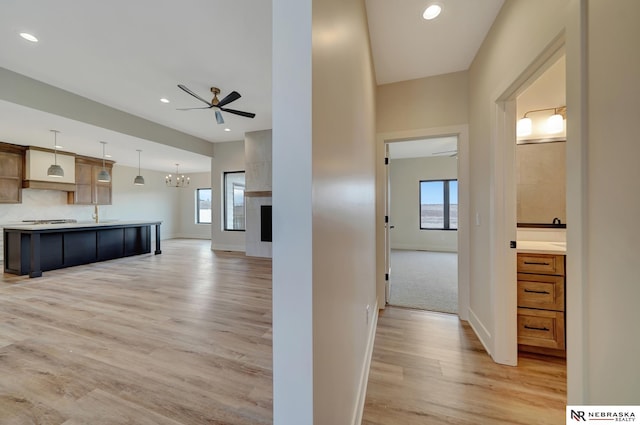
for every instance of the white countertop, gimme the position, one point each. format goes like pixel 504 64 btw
pixel 78 225
pixel 542 247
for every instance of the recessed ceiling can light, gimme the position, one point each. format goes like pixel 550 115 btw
pixel 29 37
pixel 227 129
pixel 432 11
pixel 164 100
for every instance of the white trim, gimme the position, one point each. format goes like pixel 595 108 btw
pixel 423 247
pixel 236 248
pixel 481 331
pixel 366 367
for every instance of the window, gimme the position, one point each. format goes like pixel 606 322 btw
pixel 203 206
pixel 439 204
pixel 234 200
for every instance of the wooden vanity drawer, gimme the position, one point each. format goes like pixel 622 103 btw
pixel 541 291
pixel 541 263
pixel 541 328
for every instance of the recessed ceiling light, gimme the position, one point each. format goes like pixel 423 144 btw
pixel 58 147
pixel 227 129
pixel 432 11
pixel 29 37
pixel 107 156
pixel 164 100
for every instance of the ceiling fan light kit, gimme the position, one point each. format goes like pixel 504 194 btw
pixel 216 103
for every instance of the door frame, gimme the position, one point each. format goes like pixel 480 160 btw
pixel 382 139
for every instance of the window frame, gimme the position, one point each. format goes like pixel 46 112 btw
pixel 446 205
pixel 224 201
pixel 198 205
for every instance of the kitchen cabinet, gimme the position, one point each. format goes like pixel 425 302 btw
pixel 541 303
pixel 89 191
pixel 11 172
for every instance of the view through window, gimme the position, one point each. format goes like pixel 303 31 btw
pixel 234 213
pixel 203 206
pixel 439 204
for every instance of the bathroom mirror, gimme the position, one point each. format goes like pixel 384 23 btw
pixel 541 184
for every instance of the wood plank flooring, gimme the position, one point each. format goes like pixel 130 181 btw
pixel 179 338
pixel 430 368
pixel 185 338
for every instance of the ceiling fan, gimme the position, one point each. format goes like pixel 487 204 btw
pixel 219 104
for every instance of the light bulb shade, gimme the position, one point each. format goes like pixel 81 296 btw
pixel 139 181
pixel 55 171
pixel 103 176
pixel 524 127
pixel 555 123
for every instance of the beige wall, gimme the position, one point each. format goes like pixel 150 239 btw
pixel 324 210
pixel 188 228
pixel 405 176
pixel 613 204
pixel 423 103
pixel 228 156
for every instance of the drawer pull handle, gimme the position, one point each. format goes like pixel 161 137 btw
pixel 534 263
pixel 537 292
pixel 536 329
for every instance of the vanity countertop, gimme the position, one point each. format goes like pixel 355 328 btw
pixel 542 247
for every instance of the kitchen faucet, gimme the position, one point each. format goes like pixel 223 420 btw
pixel 95 213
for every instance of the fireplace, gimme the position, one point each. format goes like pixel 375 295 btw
pixel 265 223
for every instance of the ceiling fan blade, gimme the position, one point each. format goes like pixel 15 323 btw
pixel 219 118
pixel 188 109
pixel 186 89
pixel 231 97
pixel 242 113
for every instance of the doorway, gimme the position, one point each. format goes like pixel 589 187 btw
pixel 422 193
pixel 384 140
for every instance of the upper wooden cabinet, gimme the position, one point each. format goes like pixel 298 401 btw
pixel 89 191
pixel 11 173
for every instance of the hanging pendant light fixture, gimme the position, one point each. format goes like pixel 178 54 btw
pixel 103 175
pixel 55 170
pixel 180 180
pixel 139 180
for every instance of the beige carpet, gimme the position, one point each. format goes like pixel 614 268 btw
pixel 424 280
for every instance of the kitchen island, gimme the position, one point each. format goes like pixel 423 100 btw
pixel 34 248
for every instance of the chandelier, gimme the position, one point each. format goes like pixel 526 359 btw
pixel 179 180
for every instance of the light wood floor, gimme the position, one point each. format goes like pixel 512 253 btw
pixel 430 368
pixel 185 338
pixel 178 338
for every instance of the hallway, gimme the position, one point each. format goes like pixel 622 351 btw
pixel 429 368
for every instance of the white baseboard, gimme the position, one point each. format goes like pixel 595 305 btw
pixel 481 331
pixel 192 236
pixel 434 248
pixel 366 366
pixel 237 248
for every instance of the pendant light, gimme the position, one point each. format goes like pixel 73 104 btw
pixel 139 180
pixel 55 170
pixel 103 176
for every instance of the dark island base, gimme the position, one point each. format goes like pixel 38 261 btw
pixel 35 251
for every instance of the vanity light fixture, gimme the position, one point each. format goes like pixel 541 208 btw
pixel 139 180
pixel 554 124
pixel 180 180
pixel 103 175
pixel 432 11
pixel 55 170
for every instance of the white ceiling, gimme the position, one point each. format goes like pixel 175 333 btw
pixel 405 46
pixel 128 54
pixel 435 146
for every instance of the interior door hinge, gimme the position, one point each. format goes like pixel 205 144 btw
pixel 386 161
pixel 386 218
pixel 386 276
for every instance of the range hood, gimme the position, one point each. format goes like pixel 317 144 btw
pixel 37 162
